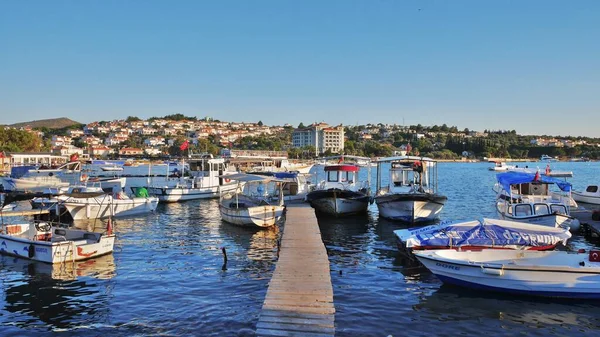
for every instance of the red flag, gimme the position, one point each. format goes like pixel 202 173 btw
pixel 408 148
pixel 341 160
pixel 537 176
pixel 184 146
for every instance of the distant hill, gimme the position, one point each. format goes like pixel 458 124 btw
pixel 53 123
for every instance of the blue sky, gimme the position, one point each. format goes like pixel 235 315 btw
pixel 531 66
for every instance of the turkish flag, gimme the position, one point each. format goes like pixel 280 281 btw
pixel 594 256
pixel 537 176
pixel 408 148
pixel 184 146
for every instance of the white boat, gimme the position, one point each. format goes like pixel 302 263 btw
pixel 251 205
pixel 538 273
pixel 341 193
pixel 33 179
pixel 291 166
pixel 40 241
pixel 548 158
pixel 479 234
pixel 52 196
pixel 527 197
pixel 501 166
pixel 111 168
pixel 295 185
pixel 547 171
pixel 411 193
pixel 138 174
pixel 108 205
pixel 591 195
pixel 208 178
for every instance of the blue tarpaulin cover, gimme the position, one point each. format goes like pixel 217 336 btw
pixel 490 233
pixel 511 178
pixel 19 171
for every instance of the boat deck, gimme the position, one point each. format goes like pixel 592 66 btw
pixel 299 301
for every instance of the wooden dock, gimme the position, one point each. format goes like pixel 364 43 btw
pixel 590 226
pixel 299 301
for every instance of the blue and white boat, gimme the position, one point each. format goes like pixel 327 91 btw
pixel 525 272
pixel 527 197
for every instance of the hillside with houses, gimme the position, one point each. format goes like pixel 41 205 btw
pixel 163 136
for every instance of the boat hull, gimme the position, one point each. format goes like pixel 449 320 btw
pixel 177 194
pixel 104 207
pixel 338 202
pixel 587 199
pixel 254 216
pixel 56 252
pixel 33 185
pixel 410 207
pixel 538 281
pixel 552 220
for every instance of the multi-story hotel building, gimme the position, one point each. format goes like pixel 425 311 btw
pixel 322 136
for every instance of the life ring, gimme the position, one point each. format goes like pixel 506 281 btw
pixel 84 177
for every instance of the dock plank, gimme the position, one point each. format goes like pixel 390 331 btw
pixel 299 300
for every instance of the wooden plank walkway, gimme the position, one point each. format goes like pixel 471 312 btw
pixel 299 301
pixel 590 226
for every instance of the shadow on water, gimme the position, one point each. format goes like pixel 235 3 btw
pixel 61 296
pixel 451 303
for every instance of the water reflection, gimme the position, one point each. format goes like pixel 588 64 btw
pixel 62 296
pixel 451 303
pixel 256 249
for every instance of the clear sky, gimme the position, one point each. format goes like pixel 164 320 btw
pixel 531 66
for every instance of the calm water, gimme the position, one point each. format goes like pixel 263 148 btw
pixel 166 278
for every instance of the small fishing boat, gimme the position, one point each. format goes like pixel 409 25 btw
pixel 547 158
pixel 295 185
pixel 44 242
pixel 501 166
pixel 591 195
pixel 527 197
pixel 111 168
pixel 205 181
pixel 34 179
pixel 525 272
pixel 341 193
pixel 411 193
pixel 108 205
pixel 251 204
pixel 479 234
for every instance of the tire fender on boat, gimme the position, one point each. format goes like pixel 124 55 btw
pixel 31 251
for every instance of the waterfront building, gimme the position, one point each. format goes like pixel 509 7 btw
pixel 320 135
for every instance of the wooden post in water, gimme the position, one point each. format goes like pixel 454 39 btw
pixel 299 301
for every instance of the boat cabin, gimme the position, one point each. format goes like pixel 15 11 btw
pixel 408 174
pixel 529 209
pixel 342 173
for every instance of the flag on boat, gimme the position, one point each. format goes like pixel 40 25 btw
pixel 408 148
pixel 341 160
pixel 184 146
pixel 537 176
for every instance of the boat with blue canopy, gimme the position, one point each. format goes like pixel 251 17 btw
pixel 528 197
